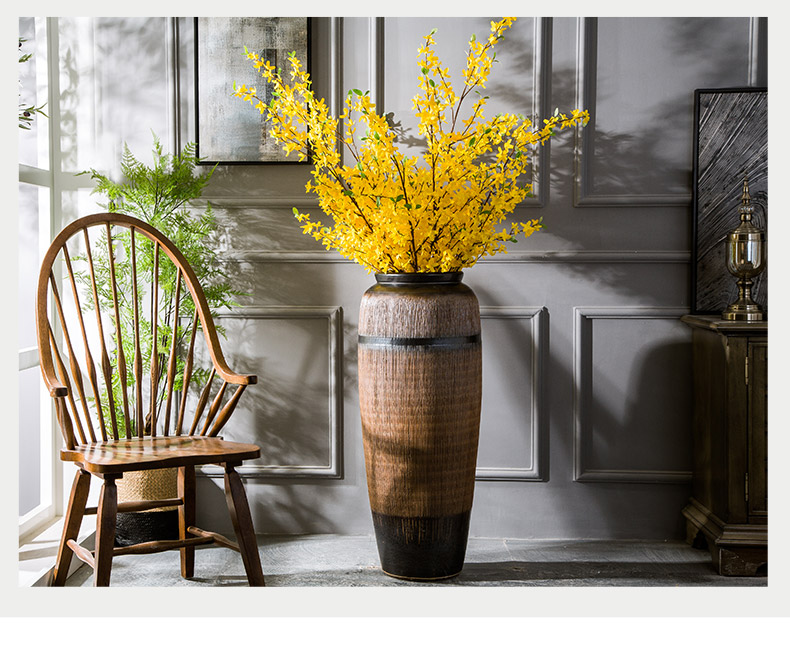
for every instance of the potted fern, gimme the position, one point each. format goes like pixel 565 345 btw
pixel 160 194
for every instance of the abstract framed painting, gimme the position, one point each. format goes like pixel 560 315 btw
pixel 730 142
pixel 228 130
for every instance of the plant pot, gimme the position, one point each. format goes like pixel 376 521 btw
pixel 420 383
pixel 154 524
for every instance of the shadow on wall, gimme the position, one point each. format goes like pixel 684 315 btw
pixel 688 33
pixel 293 387
pixel 288 417
pixel 128 84
pixel 626 435
pixel 289 412
pixel 273 284
pixel 266 229
pixel 632 434
pixel 281 511
pixel 634 414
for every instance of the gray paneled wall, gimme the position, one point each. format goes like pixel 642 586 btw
pixel 586 409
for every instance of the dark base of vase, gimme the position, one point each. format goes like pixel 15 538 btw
pixel 138 527
pixel 421 548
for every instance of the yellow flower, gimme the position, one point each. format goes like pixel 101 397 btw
pixel 442 211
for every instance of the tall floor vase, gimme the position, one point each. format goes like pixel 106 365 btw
pixel 420 381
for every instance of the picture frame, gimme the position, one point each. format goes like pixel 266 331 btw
pixel 229 130
pixel 730 141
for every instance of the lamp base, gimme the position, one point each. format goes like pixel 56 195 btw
pixel 743 311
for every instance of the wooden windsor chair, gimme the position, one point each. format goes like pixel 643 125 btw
pixel 114 422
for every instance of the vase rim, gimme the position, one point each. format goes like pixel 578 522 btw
pixel 393 279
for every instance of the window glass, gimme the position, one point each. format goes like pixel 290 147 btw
pixel 29 440
pixel 33 142
pixel 100 109
pixel 33 222
pixel 28 258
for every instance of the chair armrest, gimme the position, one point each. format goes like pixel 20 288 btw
pixel 57 390
pixel 236 378
pixel 54 386
pixel 247 379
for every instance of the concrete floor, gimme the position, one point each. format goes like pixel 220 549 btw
pixel 341 561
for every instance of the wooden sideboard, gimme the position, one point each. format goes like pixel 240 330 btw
pixel 729 504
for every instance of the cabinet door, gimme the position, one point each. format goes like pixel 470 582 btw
pixel 758 431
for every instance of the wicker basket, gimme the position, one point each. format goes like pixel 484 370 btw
pixel 150 525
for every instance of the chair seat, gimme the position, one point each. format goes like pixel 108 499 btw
pixel 160 452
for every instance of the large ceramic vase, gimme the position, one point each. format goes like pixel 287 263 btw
pixel 420 381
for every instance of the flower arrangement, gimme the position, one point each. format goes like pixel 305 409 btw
pixel 394 213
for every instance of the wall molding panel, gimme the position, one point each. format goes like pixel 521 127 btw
pixel 541 83
pixel 332 316
pixel 537 257
pixel 376 60
pixel 538 432
pixel 582 401
pixel 758 46
pixel 592 257
pixel 586 96
pixel 258 202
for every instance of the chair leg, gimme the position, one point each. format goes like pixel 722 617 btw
pixel 71 528
pixel 186 517
pixel 242 524
pixel 105 532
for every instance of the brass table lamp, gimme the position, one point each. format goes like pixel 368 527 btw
pixel 745 260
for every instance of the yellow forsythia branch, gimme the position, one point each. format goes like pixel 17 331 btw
pixel 396 213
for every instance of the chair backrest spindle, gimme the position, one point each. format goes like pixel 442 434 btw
pixel 154 340
pixel 65 377
pixel 121 360
pixel 171 364
pixel 76 372
pixel 106 367
pixel 90 365
pixel 201 404
pixel 187 372
pixel 212 412
pixel 137 363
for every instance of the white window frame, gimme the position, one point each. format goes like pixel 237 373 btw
pixel 49 174
pixel 51 498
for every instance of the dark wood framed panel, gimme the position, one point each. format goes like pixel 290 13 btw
pixel 730 141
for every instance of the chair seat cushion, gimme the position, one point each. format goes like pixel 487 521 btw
pixel 158 452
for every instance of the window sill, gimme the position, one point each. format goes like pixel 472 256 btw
pixel 37 553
